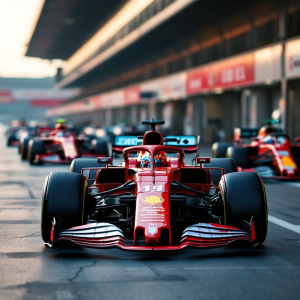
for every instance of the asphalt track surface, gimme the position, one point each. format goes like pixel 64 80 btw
pixel 28 270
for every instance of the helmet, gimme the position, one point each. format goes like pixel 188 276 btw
pixel 60 126
pixel 268 140
pixel 145 161
pixel 266 130
pixel 160 159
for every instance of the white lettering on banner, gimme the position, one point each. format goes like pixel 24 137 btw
pixel 195 84
pixel 294 63
pixel 210 80
pixel 240 73
pixel 227 76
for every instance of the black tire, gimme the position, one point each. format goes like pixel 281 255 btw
pixel 240 156
pixel 219 149
pixel 99 147
pixel 63 196
pixel 11 138
pixel 34 147
pixel 227 164
pixel 23 146
pixel 79 163
pixel 244 197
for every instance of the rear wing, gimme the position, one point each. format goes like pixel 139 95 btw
pixel 245 133
pixel 188 143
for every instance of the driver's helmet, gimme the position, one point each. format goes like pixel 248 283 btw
pixel 145 160
pixel 268 139
pixel 282 140
pixel 160 159
pixel 60 126
pixel 266 130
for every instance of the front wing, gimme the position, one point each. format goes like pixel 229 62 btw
pixel 267 173
pixel 105 235
pixel 55 158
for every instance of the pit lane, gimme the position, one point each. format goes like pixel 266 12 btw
pixel 31 271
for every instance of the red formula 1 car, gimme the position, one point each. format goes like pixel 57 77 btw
pixel 153 201
pixel 271 153
pixel 61 146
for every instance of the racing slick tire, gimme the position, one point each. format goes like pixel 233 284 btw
pixel 23 146
pixel 219 149
pixel 228 164
pixel 244 197
pixel 99 147
pixel 34 147
pixel 63 196
pixel 79 163
pixel 11 138
pixel 240 156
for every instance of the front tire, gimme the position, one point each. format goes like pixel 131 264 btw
pixel 35 147
pixel 219 149
pixel 79 163
pixel 99 147
pixel 244 196
pixel 23 146
pixel 227 164
pixel 63 196
pixel 240 156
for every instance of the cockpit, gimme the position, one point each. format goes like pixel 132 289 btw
pixel 276 138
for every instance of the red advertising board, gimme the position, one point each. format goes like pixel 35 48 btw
pixel 6 97
pixel 96 102
pixel 132 95
pixel 229 73
pixel 46 102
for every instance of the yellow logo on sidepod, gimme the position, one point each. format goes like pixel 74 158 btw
pixel 287 162
pixel 153 200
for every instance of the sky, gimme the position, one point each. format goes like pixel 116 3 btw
pixel 17 21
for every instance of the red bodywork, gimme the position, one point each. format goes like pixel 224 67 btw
pixel 64 142
pixel 153 188
pixel 283 158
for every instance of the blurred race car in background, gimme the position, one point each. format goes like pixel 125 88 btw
pixel 18 129
pixel 270 153
pixel 153 200
pixel 61 146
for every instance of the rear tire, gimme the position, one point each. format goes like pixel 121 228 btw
pixel 99 147
pixel 219 149
pixel 240 156
pixel 35 147
pixel 63 196
pixel 11 138
pixel 227 164
pixel 244 197
pixel 24 147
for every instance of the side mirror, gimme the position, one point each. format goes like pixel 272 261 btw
pixel 202 160
pixel 104 160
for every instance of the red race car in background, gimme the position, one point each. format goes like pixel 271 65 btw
pixel 61 146
pixel 271 153
pixel 153 200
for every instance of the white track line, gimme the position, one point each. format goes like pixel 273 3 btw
pixel 284 224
